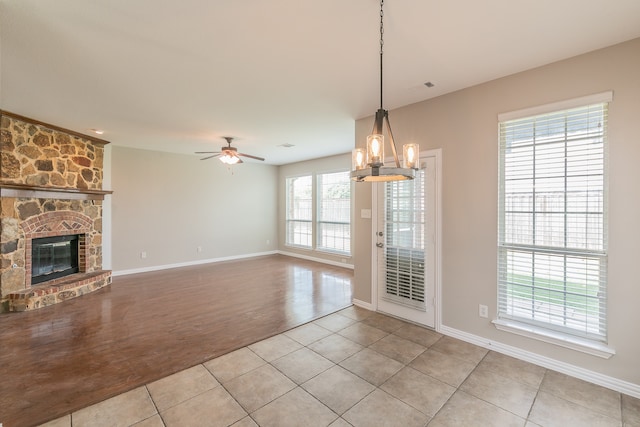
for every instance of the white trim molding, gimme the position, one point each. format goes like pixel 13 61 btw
pixel 316 259
pixel 574 343
pixel 616 384
pixel 188 263
pixel 555 106
pixel 362 304
pixel 436 154
pixel 228 258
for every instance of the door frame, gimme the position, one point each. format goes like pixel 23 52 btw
pixel 437 303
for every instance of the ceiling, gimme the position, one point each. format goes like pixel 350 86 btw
pixel 179 75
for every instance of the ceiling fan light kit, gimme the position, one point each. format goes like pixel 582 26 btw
pixel 368 165
pixel 229 159
pixel 228 155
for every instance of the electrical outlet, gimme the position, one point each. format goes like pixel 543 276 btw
pixel 199 249
pixel 483 311
pixel 143 254
pixel 268 242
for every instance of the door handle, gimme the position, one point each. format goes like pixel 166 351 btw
pixel 380 233
pixel 380 245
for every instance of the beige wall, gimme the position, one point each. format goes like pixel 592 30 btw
pixel 169 204
pixel 464 124
pixel 323 165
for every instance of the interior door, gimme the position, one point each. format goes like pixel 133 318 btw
pixel 405 246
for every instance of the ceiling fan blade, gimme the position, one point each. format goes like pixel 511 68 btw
pixel 208 157
pixel 251 157
pixel 239 161
pixel 207 152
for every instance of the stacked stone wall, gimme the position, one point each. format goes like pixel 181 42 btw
pixel 35 155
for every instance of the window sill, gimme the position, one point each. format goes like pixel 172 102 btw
pixel 304 248
pixel 575 343
pixel 335 253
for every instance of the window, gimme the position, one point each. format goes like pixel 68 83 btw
pixel 299 211
pixel 334 212
pixel 318 212
pixel 552 243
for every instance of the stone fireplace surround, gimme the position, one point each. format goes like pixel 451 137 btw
pixel 50 185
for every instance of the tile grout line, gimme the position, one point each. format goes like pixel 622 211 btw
pixel 535 398
pixel 300 385
pixel 486 401
pixel 405 365
pixel 376 387
pixel 556 396
pixel 232 396
pixel 154 405
pixel 340 416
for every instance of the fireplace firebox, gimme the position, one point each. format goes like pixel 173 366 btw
pixel 53 257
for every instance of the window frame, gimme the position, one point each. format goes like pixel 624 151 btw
pixel 567 337
pixel 314 231
pixel 289 220
pixel 318 220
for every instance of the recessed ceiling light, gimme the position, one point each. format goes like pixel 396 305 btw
pixel 429 84
pixel 287 145
pixel 97 131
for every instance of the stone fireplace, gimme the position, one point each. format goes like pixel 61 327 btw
pixel 50 188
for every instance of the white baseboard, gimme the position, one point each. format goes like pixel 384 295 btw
pixel 189 263
pixel 311 258
pixel 362 304
pixel 546 362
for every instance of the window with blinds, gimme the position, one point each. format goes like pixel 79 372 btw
pixel 552 243
pixel 334 212
pixel 299 216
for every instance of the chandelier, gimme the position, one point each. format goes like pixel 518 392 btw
pixel 368 165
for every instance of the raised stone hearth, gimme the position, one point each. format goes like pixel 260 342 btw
pixel 55 291
pixel 50 185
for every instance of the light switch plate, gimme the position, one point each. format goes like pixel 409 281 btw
pixel 365 213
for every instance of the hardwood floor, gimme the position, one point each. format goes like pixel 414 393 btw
pixel 146 326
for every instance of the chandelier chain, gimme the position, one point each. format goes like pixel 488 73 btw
pixel 381 26
pixel 381 46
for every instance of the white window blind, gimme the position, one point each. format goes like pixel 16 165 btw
pixel 404 249
pixel 299 211
pixel 334 212
pixel 552 242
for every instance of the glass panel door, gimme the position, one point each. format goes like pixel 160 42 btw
pixel 404 241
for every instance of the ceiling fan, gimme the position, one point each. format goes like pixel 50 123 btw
pixel 228 155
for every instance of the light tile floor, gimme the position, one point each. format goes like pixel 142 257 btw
pixel 358 368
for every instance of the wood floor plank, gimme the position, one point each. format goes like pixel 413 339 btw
pixel 64 357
